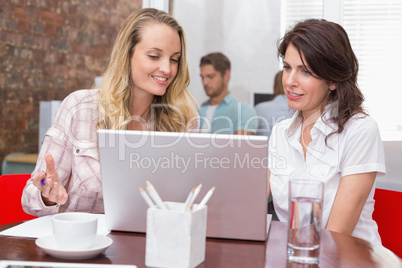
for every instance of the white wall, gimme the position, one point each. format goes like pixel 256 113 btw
pixel 245 31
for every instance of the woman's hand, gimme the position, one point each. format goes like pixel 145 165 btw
pixel 53 193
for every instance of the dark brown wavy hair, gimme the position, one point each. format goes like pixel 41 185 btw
pixel 328 54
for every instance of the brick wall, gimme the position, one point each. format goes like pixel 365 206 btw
pixel 49 48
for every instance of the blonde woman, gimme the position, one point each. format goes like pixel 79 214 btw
pixel 144 88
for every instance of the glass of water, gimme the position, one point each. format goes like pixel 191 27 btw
pixel 304 220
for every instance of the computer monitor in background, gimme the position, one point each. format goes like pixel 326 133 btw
pixel 257 97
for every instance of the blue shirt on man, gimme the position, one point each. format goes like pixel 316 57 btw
pixel 229 116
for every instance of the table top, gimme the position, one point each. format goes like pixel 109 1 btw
pixel 337 250
pixel 23 158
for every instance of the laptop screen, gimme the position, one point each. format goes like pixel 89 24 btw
pixel 236 165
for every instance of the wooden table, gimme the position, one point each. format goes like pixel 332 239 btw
pixel 23 158
pixel 337 250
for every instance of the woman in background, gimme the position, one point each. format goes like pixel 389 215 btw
pixel 144 88
pixel 330 138
pixel 273 111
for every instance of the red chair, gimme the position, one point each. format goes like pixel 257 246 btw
pixel 11 187
pixel 388 215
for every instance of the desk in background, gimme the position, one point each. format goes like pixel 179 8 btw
pixel 337 250
pixel 19 163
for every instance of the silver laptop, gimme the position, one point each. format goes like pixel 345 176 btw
pixel 174 163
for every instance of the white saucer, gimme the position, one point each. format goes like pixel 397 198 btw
pixel 48 244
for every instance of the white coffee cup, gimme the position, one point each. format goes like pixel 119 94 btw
pixel 74 230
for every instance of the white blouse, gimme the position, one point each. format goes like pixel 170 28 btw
pixel 358 149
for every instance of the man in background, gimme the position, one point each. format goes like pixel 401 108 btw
pixel 273 111
pixel 223 113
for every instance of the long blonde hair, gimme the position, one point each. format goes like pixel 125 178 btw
pixel 175 110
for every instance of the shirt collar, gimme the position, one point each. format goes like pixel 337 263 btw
pixel 324 123
pixel 321 129
pixel 228 99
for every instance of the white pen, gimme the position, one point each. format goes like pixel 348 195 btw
pixel 154 195
pixel 193 197
pixel 188 199
pixel 146 197
pixel 206 197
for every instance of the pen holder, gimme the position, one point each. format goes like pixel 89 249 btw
pixel 175 238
